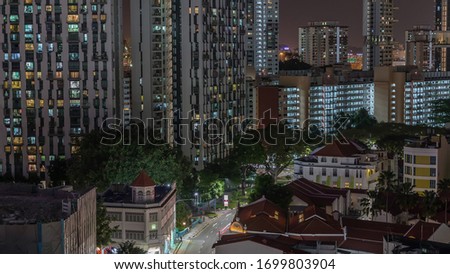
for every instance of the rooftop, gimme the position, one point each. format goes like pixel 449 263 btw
pixel 339 149
pixel 121 193
pixel 27 204
pixel 315 194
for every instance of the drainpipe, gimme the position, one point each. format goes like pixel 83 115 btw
pixel 39 236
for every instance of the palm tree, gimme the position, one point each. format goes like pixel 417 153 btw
pixel 386 182
pixel 406 198
pixel 430 204
pixel 444 193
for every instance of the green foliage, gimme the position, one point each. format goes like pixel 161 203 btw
pixel 104 229
pixel 98 164
pixel 294 64
pixel 430 204
pixel 441 111
pixel 360 119
pixel 266 186
pixel 129 247
pixel 281 146
pixel 184 214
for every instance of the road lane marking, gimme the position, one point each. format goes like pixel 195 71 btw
pixel 214 225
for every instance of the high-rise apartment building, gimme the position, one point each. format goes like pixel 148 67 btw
pixel 378 24
pixel 149 49
pixel 325 93
pixel 262 23
pixel 323 43
pixel 61 69
pixel 420 47
pixel 209 76
pixel 405 95
pixel 442 49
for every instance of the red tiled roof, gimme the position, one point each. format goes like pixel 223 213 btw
pixel 422 230
pixel 143 180
pixel 367 226
pixel 315 194
pixel 260 216
pixel 338 149
pixel 284 244
pixel 314 221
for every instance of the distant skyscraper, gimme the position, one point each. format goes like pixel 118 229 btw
pixel 262 36
pixel 378 23
pixel 420 47
pixel 323 43
pixel 209 75
pixel 442 48
pixel 59 78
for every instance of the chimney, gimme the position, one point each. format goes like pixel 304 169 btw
pixel 336 215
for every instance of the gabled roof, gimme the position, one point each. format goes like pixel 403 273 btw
pixel 314 221
pixel 422 230
pixel 285 244
pixel 315 194
pixel 338 149
pixel 143 180
pixel 262 215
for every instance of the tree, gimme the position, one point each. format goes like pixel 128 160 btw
pixel 104 229
pixel 294 64
pixel 360 119
pixel 405 197
pixel 276 193
pixel 444 193
pixel 281 146
pixel 430 204
pixel 88 165
pixel 184 213
pixel 386 188
pixel 129 247
pixel 441 111
pixel 58 171
pixel 246 155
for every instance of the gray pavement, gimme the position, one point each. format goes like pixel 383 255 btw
pixel 202 237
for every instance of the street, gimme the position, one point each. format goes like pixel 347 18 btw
pixel 200 239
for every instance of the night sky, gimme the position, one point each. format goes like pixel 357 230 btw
pixel 295 13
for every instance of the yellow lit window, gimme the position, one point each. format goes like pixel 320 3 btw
pixel 73 8
pixel 30 103
pixel 8 149
pixel 73 18
pixel 58 74
pixel 14 28
pixel 29 46
pixel 29 75
pixel 103 18
pixel 39 75
pixel 48 8
pixel 16 84
pixel 41 103
pixel 60 103
pixel 18 140
pixel 32 158
pixel 74 74
pixel 29 2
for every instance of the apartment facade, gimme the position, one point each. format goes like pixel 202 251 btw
pixel 262 23
pixel 61 70
pixel 142 212
pixel 325 93
pixel 406 95
pixel 210 84
pixel 426 162
pixel 149 50
pixel 323 43
pixel 378 32
pixel 420 47
pixel 442 19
